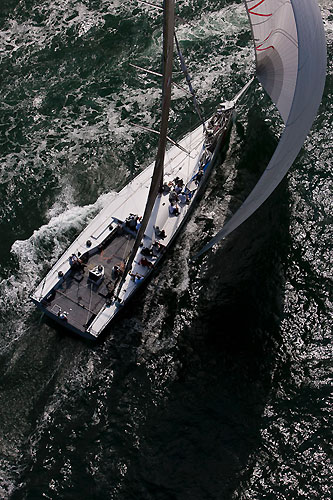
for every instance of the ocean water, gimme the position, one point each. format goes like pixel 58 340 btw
pixel 215 384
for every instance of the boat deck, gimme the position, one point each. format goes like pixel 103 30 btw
pixel 78 300
pixel 69 294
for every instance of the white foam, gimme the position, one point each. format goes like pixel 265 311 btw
pixel 37 252
pixel 75 217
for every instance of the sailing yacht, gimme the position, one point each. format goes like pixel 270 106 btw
pixel 116 253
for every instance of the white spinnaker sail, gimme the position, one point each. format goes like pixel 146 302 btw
pixel 290 52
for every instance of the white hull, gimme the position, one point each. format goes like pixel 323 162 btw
pixel 130 200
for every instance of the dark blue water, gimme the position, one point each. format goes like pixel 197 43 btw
pixel 216 383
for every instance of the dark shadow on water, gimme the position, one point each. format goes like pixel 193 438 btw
pixel 198 443
pixel 180 420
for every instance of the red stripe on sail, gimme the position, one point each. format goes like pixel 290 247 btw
pixel 257 14
pixel 266 48
pixel 262 43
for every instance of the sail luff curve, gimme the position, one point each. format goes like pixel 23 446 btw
pixel 278 79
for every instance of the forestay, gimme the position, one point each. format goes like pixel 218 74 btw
pixel 290 51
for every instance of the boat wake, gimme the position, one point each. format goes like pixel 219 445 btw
pixel 34 257
pixel 185 379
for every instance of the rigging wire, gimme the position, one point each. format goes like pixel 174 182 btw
pixel 169 138
pixel 151 4
pixel 188 80
pixel 155 73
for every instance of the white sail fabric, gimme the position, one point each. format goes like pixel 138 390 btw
pixel 290 51
pixel 276 49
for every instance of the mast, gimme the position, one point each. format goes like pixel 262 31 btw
pixel 157 178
